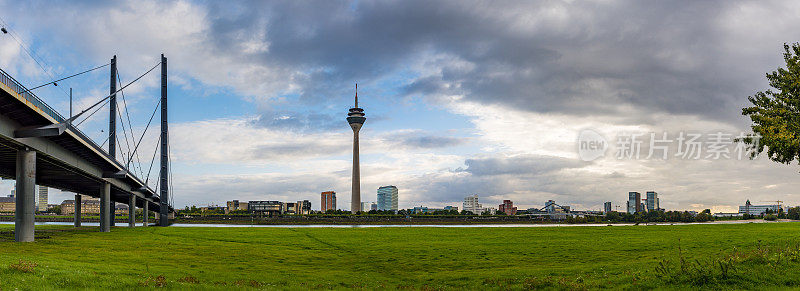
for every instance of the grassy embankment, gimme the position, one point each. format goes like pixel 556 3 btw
pixel 738 256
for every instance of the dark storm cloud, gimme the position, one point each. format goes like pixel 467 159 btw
pixel 423 140
pixel 587 58
pixel 519 165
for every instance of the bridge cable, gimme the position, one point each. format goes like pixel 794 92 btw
pixel 62 79
pixel 112 94
pixel 105 141
pixel 145 130
pixel 30 53
pixel 90 115
pixel 130 124
pixel 125 135
pixel 150 169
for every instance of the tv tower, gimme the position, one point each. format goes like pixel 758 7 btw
pixel 356 119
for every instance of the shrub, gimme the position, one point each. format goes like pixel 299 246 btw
pixel 770 217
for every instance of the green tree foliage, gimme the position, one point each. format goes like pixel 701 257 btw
pixel 776 112
pixel 793 213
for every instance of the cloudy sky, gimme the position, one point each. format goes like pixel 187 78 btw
pixel 461 97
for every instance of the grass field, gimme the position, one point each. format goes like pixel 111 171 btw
pixel 712 256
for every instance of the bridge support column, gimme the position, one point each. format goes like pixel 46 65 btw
pixel 145 213
pixel 105 206
pixel 78 210
pixel 132 211
pixel 112 212
pixel 25 196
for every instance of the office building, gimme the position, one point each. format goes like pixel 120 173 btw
pixel 304 207
pixel 607 207
pixel 235 205
pixel 289 208
pixel 634 203
pixel 328 201
pixel 758 209
pixel 471 204
pixel 42 205
pixel 265 207
pixel 387 198
pixel 508 207
pixel 651 201
pixel 367 206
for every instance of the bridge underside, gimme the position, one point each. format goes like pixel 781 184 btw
pixel 69 161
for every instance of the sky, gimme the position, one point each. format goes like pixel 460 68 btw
pixel 461 97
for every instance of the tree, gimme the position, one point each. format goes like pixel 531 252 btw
pixel 793 213
pixel 776 112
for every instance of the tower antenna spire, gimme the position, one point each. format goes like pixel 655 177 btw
pixel 356 95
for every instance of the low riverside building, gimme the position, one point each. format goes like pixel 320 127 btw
pixel 8 204
pixel 757 209
pixel 235 205
pixel 88 206
pixel 265 207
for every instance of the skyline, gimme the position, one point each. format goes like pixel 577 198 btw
pixel 451 114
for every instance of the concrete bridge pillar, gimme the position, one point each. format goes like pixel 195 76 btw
pixel 25 196
pixel 145 213
pixel 105 206
pixel 78 210
pixel 132 211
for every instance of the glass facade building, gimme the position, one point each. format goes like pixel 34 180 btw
pixel 387 198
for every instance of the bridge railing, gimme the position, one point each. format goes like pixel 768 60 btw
pixel 15 85
pixel 12 83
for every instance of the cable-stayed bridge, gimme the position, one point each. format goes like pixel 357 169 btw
pixel 39 146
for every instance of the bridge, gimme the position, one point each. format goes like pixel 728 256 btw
pixel 39 146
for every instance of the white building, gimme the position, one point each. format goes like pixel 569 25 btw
pixel 471 204
pixel 42 204
pixel 757 209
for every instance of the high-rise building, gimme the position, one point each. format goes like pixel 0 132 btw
pixel 607 207
pixel 651 201
pixel 328 201
pixel 634 202
pixel 471 204
pixel 508 207
pixel 42 198
pixel 387 198
pixel 373 206
pixel 356 119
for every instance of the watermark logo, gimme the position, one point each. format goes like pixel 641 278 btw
pixel 591 145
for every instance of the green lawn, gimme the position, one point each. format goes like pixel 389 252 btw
pixel 758 256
